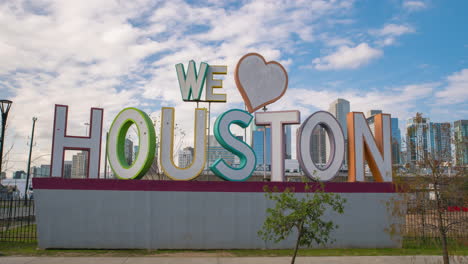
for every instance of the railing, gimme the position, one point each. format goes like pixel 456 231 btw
pixel 17 220
pixel 422 221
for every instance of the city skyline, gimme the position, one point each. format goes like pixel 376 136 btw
pixel 370 55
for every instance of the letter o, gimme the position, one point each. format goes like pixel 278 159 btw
pixel 336 140
pixel 116 144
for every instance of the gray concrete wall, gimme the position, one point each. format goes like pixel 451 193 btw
pixel 189 220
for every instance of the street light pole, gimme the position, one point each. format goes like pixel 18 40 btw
pixel 29 161
pixel 5 106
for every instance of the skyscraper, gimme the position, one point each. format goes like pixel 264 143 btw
pixel 67 168
pixel 396 141
pixel 257 145
pixel 216 151
pixel 318 146
pixel 373 113
pixel 439 142
pixel 128 150
pixel 287 139
pixel 185 157
pixel 340 109
pixel 416 138
pixel 79 167
pixel 460 130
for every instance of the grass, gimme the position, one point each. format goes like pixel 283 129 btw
pixel 410 248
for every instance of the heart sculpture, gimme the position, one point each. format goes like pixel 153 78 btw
pixel 259 82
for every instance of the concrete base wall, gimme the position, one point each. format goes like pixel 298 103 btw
pixel 190 220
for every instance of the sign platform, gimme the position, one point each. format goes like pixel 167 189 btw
pixel 112 214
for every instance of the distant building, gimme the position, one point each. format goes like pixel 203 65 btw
pixel 373 113
pixel 79 167
pixel 185 157
pixel 216 151
pixel 439 141
pixel 417 129
pixel 460 131
pixel 67 168
pixel 135 153
pixel 128 150
pixel 19 175
pixel 340 109
pixel 396 142
pixel 318 146
pixel 258 147
pixel 287 142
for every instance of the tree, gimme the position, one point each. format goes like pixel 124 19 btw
pixel 301 215
pixel 431 188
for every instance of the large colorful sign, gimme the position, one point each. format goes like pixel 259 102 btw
pixel 260 83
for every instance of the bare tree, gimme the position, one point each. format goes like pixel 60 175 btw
pixel 431 186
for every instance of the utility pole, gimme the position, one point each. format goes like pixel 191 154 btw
pixel 29 161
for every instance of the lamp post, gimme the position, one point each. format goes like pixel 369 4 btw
pixel 29 160
pixel 5 108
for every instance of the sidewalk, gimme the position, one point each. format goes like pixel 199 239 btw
pixel 229 260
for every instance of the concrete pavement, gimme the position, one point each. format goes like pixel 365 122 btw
pixel 230 260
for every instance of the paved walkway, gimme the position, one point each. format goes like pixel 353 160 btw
pixel 228 260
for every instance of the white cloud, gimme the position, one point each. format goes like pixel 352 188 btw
pixel 456 90
pixel 387 35
pixel 114 54
pixel 347 57
pixel 414 5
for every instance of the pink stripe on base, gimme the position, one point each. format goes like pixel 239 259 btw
pixel 204 186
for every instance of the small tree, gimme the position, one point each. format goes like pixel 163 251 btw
pixel 302 215
pixel 431 187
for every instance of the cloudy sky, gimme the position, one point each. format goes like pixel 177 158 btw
pixel 399 56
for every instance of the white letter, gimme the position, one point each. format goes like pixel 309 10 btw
pixel 337 146
pixel 215 84
pixel 61 141
pixel 116 145
pixel 167 145
pixel 191 85
pixel 277 120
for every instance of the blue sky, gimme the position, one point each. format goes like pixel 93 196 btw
pixel 399 56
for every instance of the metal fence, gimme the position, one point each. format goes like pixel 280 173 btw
pixel 422 221
pixel 17 220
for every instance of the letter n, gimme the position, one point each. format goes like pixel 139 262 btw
pixel 363 146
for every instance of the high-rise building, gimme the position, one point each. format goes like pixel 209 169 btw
pixel 185 157
pixel 42 171
pixel 79 167
pixel 460 131
pixel 318 146
pixel 417 129
pixel 67 168
pixel 19 175
pixel 373 113
pixel 287 141
pixel 216 151
pixel 128 150
pixel 340 109
pixel 396 141
pixel 439 141
pixel 135 153
pixel 258 137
